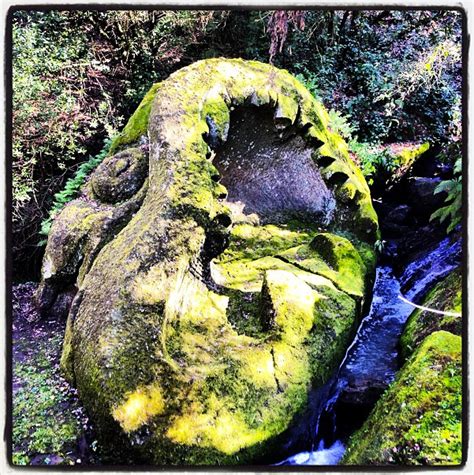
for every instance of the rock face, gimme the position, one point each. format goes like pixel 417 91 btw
pixel 421 194
pixel 222 257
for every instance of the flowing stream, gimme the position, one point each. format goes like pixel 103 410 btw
pixel 371 361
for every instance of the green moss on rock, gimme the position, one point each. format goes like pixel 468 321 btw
pixel 417 421
pixel 446 297
pixel 156 344
pixel 407 156
pixel 137 124
pixel 333 257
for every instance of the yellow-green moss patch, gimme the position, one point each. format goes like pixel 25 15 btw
pixel 137 124
pixel 446 297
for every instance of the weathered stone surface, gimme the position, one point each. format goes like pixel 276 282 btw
pixel 114 192
pixel 120 177
pixel 199 328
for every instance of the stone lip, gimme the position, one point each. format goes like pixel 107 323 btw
pixel 169 362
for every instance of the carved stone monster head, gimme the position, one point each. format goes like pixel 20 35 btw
pixel 216 292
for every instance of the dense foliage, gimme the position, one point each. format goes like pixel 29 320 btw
pixel 392 75
pixel 396 74
pixel 452 211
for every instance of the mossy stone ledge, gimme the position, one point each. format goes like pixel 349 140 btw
pixel 445 297
pixel 235 281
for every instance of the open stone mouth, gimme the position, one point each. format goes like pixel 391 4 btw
pixel 277 201
pixel 270 172
pixel 215 289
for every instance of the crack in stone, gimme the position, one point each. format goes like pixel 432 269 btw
pixel 272 352
pixel 300 267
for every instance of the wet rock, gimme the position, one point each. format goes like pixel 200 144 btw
pixel 416 240
pixel 400 215
pixel 418 420
pixel 197 330
pixel 429 165
pixel 398 221
pixel 421 194
pixel 362 394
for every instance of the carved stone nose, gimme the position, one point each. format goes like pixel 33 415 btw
pixel 222 285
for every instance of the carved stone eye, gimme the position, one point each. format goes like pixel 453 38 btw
pixel 119 177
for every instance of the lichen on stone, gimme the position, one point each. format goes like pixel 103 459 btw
pixel 233 281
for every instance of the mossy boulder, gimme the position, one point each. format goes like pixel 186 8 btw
pixel 197 330
pixel 405 156
pixel 446 296
pixel 417 421
pixel 120 177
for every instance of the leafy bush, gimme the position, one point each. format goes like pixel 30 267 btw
pixel 60 106
pixel 397 74
pixel 452 211
pixel 376 162
pixel 72 187
pixel 341 124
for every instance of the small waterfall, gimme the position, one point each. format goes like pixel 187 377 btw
pixel 322 456
pixel 430 268
pixel 371 361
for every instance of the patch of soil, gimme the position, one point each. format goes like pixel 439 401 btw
pixel 36 352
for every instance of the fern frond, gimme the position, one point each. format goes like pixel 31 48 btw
pixel 71 188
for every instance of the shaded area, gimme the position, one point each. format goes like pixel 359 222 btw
pixel 270 172
pixel 50 424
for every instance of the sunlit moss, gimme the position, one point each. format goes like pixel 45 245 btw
pixel 333 257
pixel 66 361
pixel 291 364
pixel 257 366
pixel 409 155
pixel 139 407
pixel 228 433
pixel 292 304
pixel 251 241
pixel 138 122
